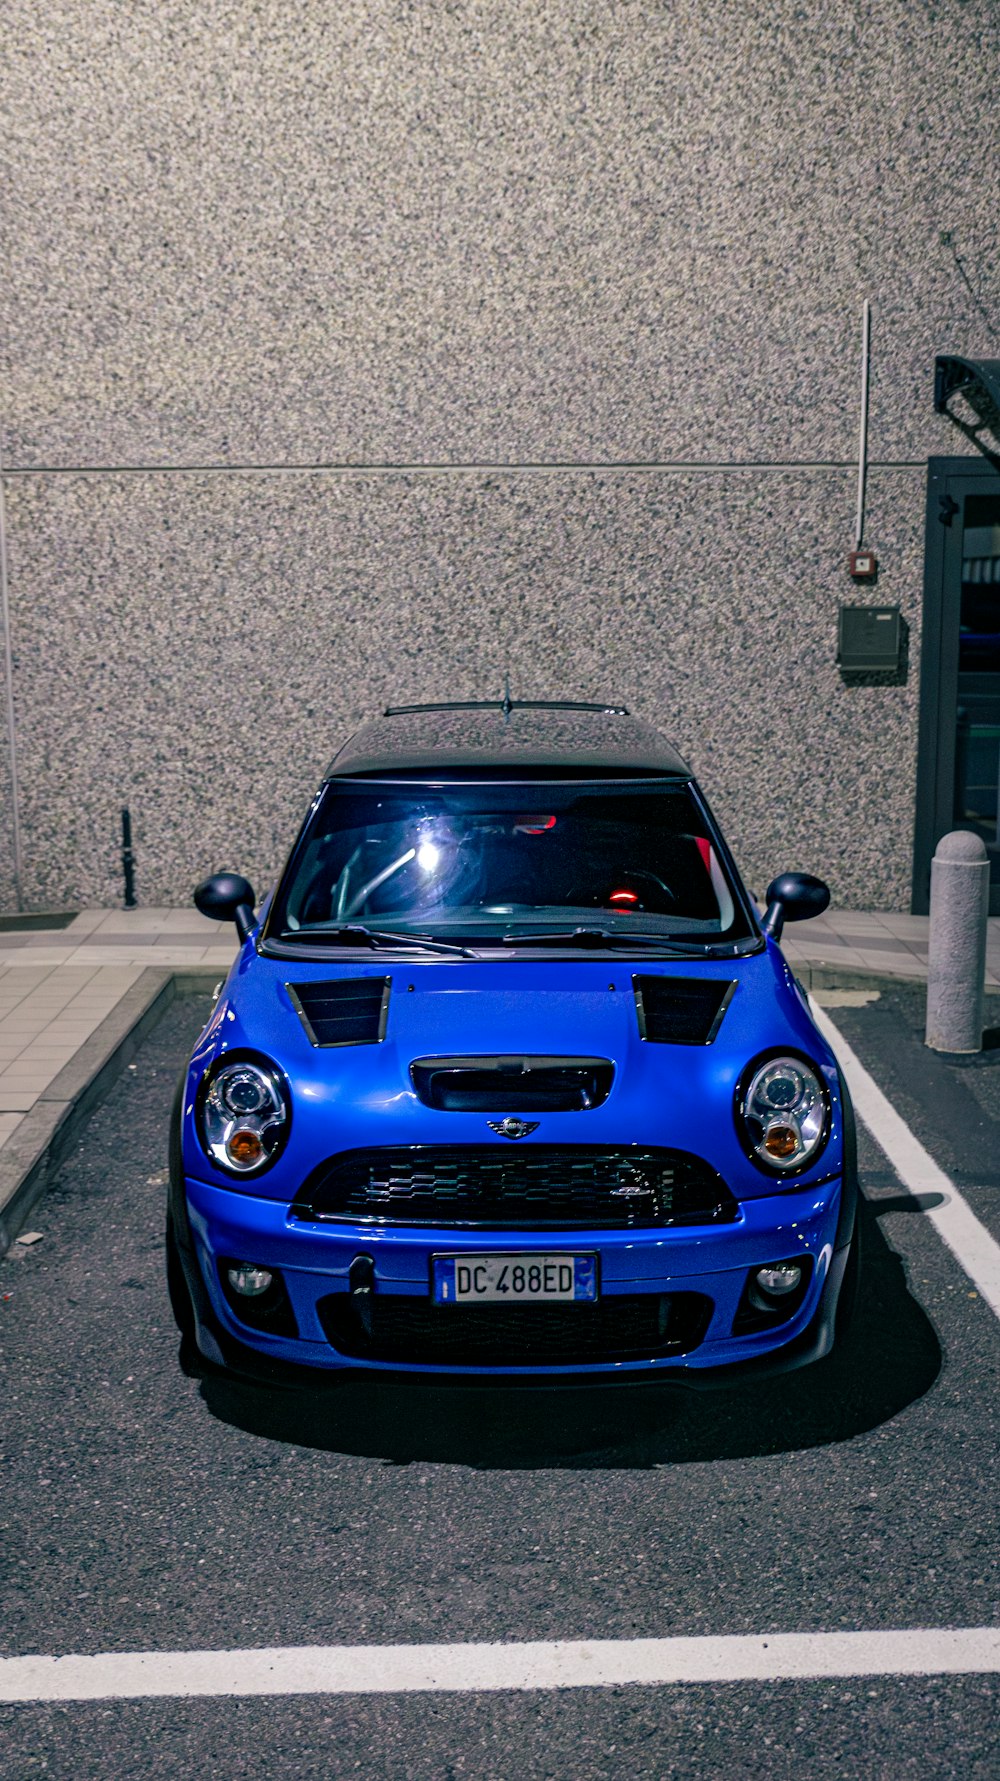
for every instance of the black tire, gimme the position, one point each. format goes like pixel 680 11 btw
pixel 177 1287
pixel 850 1291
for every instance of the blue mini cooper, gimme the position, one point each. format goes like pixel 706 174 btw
pixel 508 1077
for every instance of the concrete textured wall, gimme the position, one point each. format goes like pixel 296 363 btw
pixel 265 265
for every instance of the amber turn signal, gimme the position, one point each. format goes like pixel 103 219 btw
pixel 780 1140
pixel 245 1147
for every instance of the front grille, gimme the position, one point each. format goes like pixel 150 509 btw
pixel 535 1187
pixel 627 1326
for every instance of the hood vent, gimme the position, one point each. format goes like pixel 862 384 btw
pixel 348 1011
pixel 512 1084
pixel 681 1010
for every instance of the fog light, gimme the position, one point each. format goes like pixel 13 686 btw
pixel 249 1281
pixel 244 1147
pixel 772 1284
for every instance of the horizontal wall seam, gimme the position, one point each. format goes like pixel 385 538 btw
pixel 552 467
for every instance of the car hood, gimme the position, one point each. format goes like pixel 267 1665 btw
pixel 348 1096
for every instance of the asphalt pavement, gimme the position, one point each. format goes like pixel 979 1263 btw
pixel 142 1509
pixel 951 1104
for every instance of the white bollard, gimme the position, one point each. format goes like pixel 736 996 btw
pixel 960 894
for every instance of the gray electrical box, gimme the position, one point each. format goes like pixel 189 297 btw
pixel 870 640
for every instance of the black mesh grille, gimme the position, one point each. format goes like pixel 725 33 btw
pixel 681 1010
pixel 627 1326
pixel 531 1187
pixel 348 1011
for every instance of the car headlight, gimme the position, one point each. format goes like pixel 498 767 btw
pixel 783 1112
pixel 243 1114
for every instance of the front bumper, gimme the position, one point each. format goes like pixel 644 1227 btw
pixel 315 1262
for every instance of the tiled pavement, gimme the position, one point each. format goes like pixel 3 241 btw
pixel 891 945
pixel 58 985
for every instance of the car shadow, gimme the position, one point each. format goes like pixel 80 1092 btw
pixel 889 1358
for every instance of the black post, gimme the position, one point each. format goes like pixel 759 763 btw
pixel 128 859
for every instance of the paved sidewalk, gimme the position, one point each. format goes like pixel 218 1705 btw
pixel 891 945
pixel 58 985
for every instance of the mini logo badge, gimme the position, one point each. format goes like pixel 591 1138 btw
pixel 512 1128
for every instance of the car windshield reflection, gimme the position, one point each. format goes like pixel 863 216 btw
pixel 497 859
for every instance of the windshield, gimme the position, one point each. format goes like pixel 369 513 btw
pixel 498 860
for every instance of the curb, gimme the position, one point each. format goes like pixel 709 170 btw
pixel 831 976
pixel 35 1151
pixel 828 976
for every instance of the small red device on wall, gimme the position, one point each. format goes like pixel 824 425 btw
pixel 863 565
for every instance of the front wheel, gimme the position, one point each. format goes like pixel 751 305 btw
pixel 850 1290
pixel 179 1296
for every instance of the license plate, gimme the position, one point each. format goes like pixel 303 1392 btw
pixel 513 1279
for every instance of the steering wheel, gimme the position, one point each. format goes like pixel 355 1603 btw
pixel 626 875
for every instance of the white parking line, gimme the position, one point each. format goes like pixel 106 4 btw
pixel 954 1220
pixel 584 1663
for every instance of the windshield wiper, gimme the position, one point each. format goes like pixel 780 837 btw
pixel 602 938
pixel 378 939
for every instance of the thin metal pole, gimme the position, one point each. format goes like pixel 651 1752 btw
pixel 15 801
pixel 866 343
pixel 128 859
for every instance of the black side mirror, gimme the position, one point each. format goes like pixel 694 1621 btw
pixel 795 896
pixel 227 897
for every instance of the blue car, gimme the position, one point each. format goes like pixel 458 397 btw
pixel 509 1078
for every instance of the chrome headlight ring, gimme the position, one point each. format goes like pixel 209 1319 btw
pixel 783 1111
pixel 243 1113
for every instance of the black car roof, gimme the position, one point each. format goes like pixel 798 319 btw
pixel 515 735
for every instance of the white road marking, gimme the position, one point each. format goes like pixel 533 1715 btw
pixel 584 1663
pixel 954 1220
